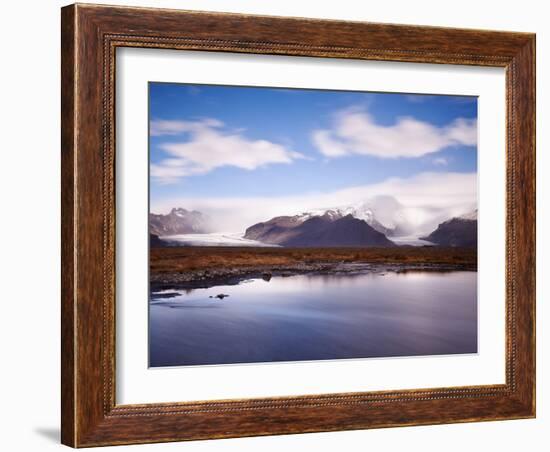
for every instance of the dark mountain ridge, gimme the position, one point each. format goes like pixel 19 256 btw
pixel 458 231
pixel 317 231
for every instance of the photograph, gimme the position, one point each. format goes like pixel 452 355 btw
pixel 302 224
pixel 269 225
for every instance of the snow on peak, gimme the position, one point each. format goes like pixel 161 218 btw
pixel 469 216
pixel 360 211
pixel 178 211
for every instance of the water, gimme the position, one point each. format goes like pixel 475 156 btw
pixel 316 317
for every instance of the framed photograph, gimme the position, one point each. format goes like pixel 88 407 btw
pixel 282 225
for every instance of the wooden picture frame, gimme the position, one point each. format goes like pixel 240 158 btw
pixel 90 36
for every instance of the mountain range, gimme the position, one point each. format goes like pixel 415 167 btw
pixel 351 226
pixel 330 229
pixel 179 221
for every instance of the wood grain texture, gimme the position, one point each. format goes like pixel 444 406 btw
pixel 90 36
pixel 68 244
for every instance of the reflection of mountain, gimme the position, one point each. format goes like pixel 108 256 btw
pixel 458 231
pixel 330 229
pixel 178 221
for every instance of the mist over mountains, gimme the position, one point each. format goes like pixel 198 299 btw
pixel 371 223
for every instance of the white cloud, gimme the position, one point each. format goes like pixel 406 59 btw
pixel 354 131
pixel 425 200
pixel 160 127
pixel 211 145
pixel 327 145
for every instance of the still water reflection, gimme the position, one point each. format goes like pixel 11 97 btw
pixel 316 317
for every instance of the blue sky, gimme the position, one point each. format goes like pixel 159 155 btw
pixel 222 142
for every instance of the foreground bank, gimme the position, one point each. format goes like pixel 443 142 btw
pixel 204 267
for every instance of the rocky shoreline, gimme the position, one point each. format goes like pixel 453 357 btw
pixel 207 278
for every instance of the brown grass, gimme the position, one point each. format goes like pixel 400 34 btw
pixel 181 259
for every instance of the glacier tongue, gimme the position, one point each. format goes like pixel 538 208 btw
pixel 212 239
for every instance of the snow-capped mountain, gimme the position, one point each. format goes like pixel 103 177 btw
pixel 317 229
pixel 179 221
pixel 457 231
pixel 369 212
